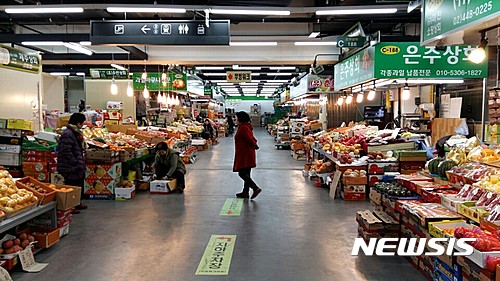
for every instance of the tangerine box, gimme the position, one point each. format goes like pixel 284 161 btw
pixel 112 170
pixel 67 200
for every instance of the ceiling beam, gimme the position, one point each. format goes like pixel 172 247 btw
pixel 136 52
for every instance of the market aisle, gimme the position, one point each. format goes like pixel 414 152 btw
pixel 293 231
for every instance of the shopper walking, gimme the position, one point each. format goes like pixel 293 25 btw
pixel 244 157
pixel 70 160
pixel 168 165
pixel 230 124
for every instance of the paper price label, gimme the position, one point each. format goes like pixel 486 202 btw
pixel 4 275
pixel 28 261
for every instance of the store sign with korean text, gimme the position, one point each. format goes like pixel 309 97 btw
pixel 317 83
pixel 173 82
pixel 239 76
pixel 445 17
pixel 108 73
pixel 355 69
pixel 410 60
pixel 351 42
pixel 207 91
pixel 19 60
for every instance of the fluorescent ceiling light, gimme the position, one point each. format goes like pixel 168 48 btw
pixel 253 44
pixel 224 74
pixel 249 88
pixel 59 73
pixel 279 74
pixel 224 84
pixel 44 10
pixel 117 66
pixel 42 43
pixel 271 86
pixel 277 81
pixel 145 10
pixel 247 67
pixel 282 68
pixel 316 43
pixel 250 12
pixel 357 11
pixel 210 67
pixel 80 73
pixel 314 34
pixel 85 43
pixel 79 48
pixel 248 84
pixel 233 95
pixel 431 81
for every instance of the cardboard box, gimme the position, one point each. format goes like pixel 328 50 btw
pixel 63 230
pixel 42 177
pixel 162 186
pixel 48 240
pixel 111 122
pixel 452 201
pixel 19 124
pixel 43 198
pixel 35 167
pixel 108 156
pixel 473 213
pixel 104 187
pixel 124 194
pixel 112 170
pixel 56 178
pixel 436 229
pixel 8 148
pixel 11 133
pixel 412 165
pixel 120 128
pixel 68 200
pixel 379 168
pixel 3 123
pixel 355 189
pixel 354 180
pixel 375 196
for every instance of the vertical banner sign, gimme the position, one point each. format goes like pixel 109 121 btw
pixel 217 257
pixel 238 76
pixel 19 60
pixel 108 73
pixel 410 60
pixel 207 91
pixel 445 17
pixel 173 82
pixel 355 69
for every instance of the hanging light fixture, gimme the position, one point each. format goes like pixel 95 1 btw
pixel 177 101
pixel 406 92
pixel 340 101
pixel 169 100
pixel 164 76
pixel 114 87
pixel 144 74
pixel 479 54
pixel 371 94
pixel 359 98
pixel 130 90
pixel 349 99
pixel 145 92
pixel 160 98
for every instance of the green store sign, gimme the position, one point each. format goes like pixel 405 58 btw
pixel 355 70
pixel 173 82
pixel 108 73
pixel 390 60
pixel 19 60
pixel 445 17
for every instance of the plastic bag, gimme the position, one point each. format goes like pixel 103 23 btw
pixel 462 129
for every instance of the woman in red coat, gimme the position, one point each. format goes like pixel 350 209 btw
pixel 244 157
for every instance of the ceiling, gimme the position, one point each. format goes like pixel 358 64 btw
pixel 285 30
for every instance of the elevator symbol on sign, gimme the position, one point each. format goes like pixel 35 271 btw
pixel 183 29
pixel 166 29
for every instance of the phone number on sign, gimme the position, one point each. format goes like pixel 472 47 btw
pixel 479 10
pixel 459 72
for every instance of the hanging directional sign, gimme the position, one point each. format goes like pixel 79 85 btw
pixel 19 60
pixel 159 32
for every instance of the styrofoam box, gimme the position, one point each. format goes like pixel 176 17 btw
pixel 7 148
pixel 10 159
pixel 10 133
pixel 63 230
pixel 124 193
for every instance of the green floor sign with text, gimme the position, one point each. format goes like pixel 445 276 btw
pixel 232 207
pixel 217 257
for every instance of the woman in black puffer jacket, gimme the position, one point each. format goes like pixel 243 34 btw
pixel 70 160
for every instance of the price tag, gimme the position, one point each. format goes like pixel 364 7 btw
pixel 4 275
pixel 28 261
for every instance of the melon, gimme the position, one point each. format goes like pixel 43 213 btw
pixel 432 165
pixel 445 166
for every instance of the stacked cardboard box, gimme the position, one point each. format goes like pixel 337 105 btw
pixel 412 161
pixel 10 151
pixel 39 164
pixel 101 180
pixel 297 127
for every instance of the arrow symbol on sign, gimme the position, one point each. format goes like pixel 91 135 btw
pixel 145 28
pixel 229 212
pixel 225 238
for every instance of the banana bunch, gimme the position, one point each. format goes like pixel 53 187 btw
pixel 457 155
pixel 406 135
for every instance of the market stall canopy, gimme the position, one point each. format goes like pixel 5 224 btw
pixel 407 60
